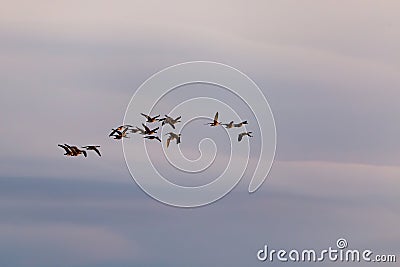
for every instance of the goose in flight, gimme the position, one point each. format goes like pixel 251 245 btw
pixel 173 136
pixel 76 151
pixel 119 129
pixel 215 122
pixel 151 137
pixel 94 148
pixel 228 125
pixel 148 131
pixel 68 151
pixel 240 137
pixel 120 134
pixel 237 125
pixel 171 121
pixel 150 119
pixel 138 130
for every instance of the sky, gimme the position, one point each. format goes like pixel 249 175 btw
pixel 69 68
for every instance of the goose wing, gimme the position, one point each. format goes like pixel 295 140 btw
pixel 114 131
pixel 216 118
pixel 168 141
pixel 67 150
pixel 146 116
pixel 240 136
pixel 96 150
pixel 172 125
pixel 147 129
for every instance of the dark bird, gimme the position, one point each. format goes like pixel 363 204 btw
pixel 173 136
pixel 151 137
pixel 215 122
pixel 237 125
pixel 119 129
pixel 76 151
pixel 150 119
pixel 240 137
pixel 94 148
pixel 68 151
pixel 171 121
pixel 148 131
pixel 120 134
pixel 228 125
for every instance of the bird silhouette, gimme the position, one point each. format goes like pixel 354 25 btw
pixel 169 120
pixel 94 148
pixel 215 122
pixel 68 151
pixel 119 129
pixel 150 119
pixel 241 135
pixel 228 125
pixel 237 125
pixel 120 134
pixel 173 136
pixel 148 131
pixel 138 130
pixel 151 137
pixel 76 151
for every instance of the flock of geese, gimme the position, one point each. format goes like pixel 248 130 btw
pixel 122 131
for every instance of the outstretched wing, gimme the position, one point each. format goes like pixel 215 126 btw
pixel 240 137
pixel 125 130
pixel 97 151
pixel 112 132
pixel 168 141
pixel 146 116
pixel 65 148
pixel 146 128
pixel 216 118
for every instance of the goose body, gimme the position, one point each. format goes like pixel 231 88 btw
pixel 68 151
pixel 171 121
pixel 148 131
pixel 173 136
pixel 138 130
pixel 75 151
pixel 237 125
pixel 228 125
pixel 120 134
pixel 119 129
pixel 241 135
pixel 215 122
pixel 150 119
